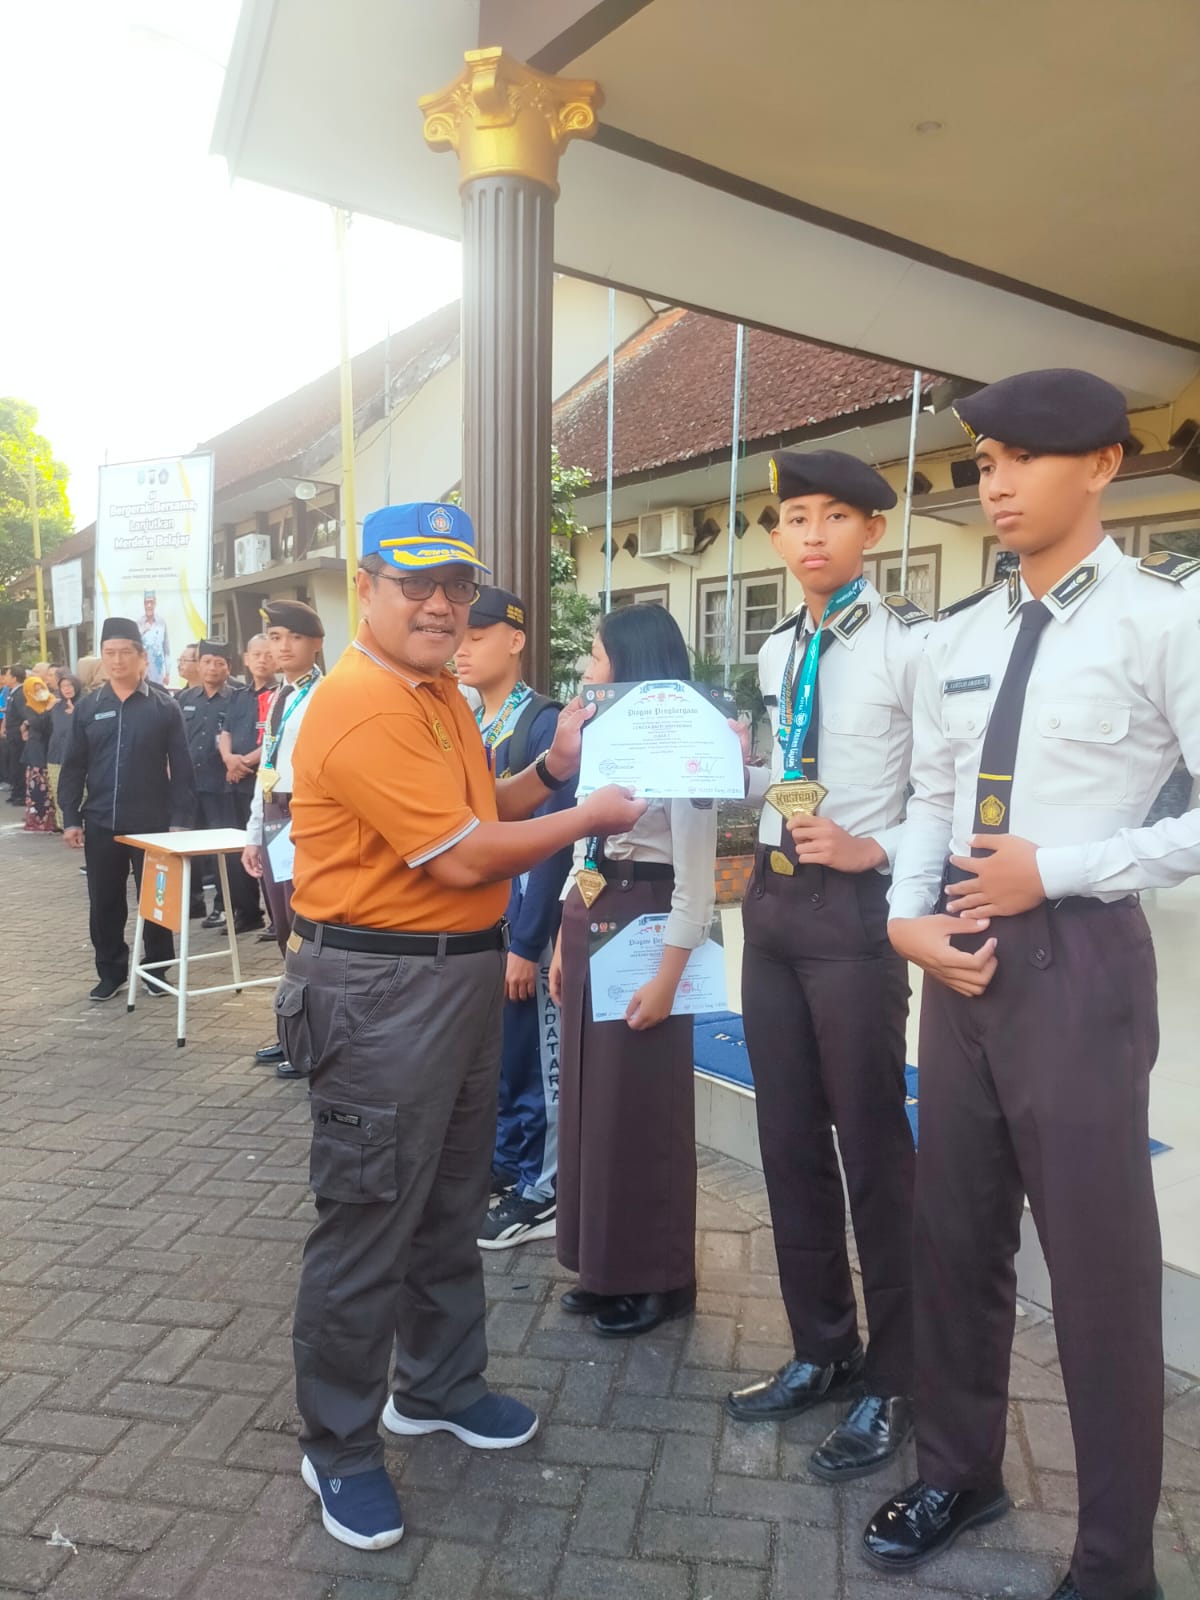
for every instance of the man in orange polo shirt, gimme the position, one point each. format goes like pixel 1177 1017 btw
pixel 392 1002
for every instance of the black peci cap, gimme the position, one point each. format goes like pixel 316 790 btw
pixel 213 647
pixel 832 472
pixel 497 605
pixel 1059 411
pixel 295 616
pixel 121 628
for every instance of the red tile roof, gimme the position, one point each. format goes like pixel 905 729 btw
pixel 673 394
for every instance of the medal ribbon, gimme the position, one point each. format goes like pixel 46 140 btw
pixel 796 697
pixel 271 742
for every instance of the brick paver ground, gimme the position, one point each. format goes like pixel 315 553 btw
pixel 152 1208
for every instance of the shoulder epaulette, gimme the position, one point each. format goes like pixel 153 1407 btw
pixel 905 610
pixel 969 600
pixel 1167 564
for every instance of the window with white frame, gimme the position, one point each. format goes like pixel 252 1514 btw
pixel 1179 534
pixel 922 583
pixel 639 597
pixel 757 608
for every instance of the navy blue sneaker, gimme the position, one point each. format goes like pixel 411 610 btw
pixel 494 1422
pixel 363 1511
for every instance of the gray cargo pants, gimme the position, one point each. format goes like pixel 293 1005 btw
pixel 404 1058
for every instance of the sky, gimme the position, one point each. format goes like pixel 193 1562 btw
pixel 146 302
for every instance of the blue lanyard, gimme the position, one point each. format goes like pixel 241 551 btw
pixel 274 741
pixel 491 734
pixel 796 698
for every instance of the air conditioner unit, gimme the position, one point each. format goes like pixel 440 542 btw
pixel 251 553
pixel 666 533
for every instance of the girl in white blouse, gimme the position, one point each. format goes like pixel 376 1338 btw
pixel 627 1151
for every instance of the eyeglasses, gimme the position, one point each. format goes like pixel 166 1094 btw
pixel 419 586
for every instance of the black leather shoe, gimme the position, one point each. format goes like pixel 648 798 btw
pixel 580 1301
pixel 247 924
pixel 1067 1590
pixel 269 1052
pixel 875 1428
pixel 285 1069
pixel 630 1314
pixel 214 919
pixel 923 1521
pixel 795 1388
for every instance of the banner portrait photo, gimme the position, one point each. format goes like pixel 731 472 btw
pixel 154 553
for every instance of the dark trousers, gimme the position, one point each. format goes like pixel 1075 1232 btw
pixel 108 867
pixel 222 811
pixel 626 1122
pixel 1040 1086
pixel 527 1113
pixel 403 1056
pixel 824 1002
pixel 278 896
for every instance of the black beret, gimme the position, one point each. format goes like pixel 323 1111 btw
pixel 213 647
pixel 497 605
pixel 832 472
pixel 1056 412
pixel 295 616
pixel 121 628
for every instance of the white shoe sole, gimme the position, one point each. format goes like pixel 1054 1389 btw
pixel 356 1541
pixel 408 1426
pixel 506 1241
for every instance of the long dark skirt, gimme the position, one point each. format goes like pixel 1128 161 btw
pixel 39 807
pixel 626 1125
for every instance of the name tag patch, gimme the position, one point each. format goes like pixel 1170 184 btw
pixel 967 685
pixel 347 1119
pixel 103 716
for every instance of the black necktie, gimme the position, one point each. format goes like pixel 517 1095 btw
pixel 277 708
pixel 993 794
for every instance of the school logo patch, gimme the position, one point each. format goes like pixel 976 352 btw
pixel 991 811
pixel 440 520
pixel 443 737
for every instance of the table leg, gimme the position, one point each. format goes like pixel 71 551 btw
pixel 185 928
pixel 230 919
pixel 139 940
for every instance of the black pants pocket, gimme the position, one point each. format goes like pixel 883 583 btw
pixel 291 1015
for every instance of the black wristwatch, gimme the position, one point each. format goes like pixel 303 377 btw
pixel 545 777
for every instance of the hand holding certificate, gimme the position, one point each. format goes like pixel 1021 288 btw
pixel 665 739
pixel 624 956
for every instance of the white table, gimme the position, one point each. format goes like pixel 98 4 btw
pixel 187 846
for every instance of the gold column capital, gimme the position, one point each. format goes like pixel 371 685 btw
pixel 506 119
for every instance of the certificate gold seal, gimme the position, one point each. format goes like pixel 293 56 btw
pixel 800 796
pixel 590 884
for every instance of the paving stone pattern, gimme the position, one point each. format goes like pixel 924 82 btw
pixel 152 1209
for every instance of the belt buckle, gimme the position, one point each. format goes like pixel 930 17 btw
pixel 780 864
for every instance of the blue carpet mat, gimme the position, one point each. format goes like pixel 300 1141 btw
pixel 720 1050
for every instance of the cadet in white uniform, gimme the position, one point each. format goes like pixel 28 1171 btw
pixel 1047 718
pixel 825 998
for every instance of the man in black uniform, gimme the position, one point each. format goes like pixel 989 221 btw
pixel 14 715
pixel 208 710
pixel 127 748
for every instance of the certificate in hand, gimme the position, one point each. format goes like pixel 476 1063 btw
pixel 666 740
pixel 622 956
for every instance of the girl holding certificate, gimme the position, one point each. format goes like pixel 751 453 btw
pixel 627 1140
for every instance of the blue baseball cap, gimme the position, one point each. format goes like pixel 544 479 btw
pixel 421 534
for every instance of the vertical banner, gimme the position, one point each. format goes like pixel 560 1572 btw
pixel 66 589
pixel 154 553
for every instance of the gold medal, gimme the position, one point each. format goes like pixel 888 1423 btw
pixel 796 797
pixel 267 778
pixel 590 884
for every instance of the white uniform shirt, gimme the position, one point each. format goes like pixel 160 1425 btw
pixel 1113 697
pixel 681 835
pixel 867 679
pixel 283 754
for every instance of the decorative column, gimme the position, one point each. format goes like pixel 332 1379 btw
pixel 508 124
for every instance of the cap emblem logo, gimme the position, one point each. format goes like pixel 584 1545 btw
pixel 773 475
pixel 440 521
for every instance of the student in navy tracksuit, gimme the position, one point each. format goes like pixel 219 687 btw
pixel 517 726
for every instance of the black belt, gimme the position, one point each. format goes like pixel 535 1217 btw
pixel 378 942
pixel 638 871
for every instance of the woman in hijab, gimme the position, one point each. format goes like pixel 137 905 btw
pixel 62 715
pixel 35 757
